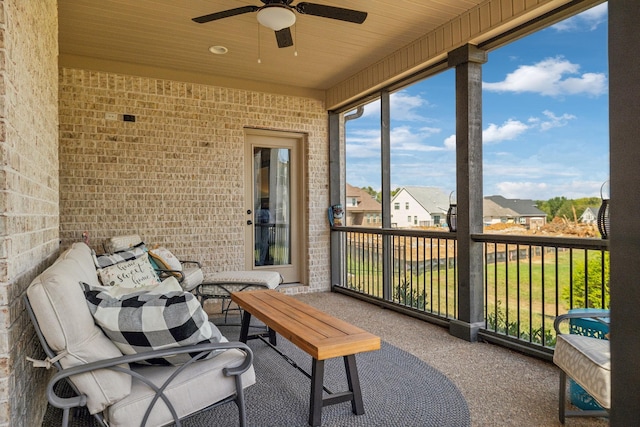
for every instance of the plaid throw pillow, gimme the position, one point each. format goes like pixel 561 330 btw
pixel 164 317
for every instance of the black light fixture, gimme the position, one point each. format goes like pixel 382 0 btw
pixel 452 213
pixel 603 214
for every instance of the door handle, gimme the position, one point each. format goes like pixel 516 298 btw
pixel 249 222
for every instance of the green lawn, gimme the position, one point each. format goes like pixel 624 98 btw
pixel 519 293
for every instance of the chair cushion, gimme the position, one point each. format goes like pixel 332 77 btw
pixel 193 276
pixel 224 282
pixel 267 279
pixel 66 323
pixel 587 361
pixel 163 317
pixel 197 387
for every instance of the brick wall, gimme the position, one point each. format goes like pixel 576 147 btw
pixel 28 192
pixel 176 174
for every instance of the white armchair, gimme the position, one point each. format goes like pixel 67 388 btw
pixel 114 387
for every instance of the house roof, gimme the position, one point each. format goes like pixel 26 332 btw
pixel 366 202
pixel 499 206
pixel 592 210
pixel 432 199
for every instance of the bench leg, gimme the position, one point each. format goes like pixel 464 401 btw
pixel 357 406
pixel 316 401
pixel 244 328
pixel 272 336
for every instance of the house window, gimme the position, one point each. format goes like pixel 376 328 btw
pixel 353 202
pixel 406 205
pixel 396 206
pixel 415 220
pixel 409 219
pixel 436 220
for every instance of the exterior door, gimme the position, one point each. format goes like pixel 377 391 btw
pixel 273 192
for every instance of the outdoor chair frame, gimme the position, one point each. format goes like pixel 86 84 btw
pixel 197 351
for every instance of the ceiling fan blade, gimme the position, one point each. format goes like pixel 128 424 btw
pixel 283 37
pixel 225 14
pixel 348 15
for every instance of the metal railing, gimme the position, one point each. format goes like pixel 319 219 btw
pixel 409 269
pixel 528 280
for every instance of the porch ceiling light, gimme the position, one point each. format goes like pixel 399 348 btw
pixel 218 50
pixel 276 17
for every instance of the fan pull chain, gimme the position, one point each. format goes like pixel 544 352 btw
pixel 295 40
pixel 259 60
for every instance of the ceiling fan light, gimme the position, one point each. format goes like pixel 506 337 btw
pixel 276 17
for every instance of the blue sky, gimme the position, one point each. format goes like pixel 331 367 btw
pixel 545 120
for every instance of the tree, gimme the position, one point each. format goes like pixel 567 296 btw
pixel 376 195
pixel 595 285
pixel 551 206
pixel 579 205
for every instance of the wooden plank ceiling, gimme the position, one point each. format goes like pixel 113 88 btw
pixel 161 34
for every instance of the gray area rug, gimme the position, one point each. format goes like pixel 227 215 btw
pixel 398 390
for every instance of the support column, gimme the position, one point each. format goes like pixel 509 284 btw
pixel 335 194
pixel 624 241
pixel 385 150
pixel 468 61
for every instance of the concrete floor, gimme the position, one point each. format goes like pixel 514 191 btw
pixel 502 387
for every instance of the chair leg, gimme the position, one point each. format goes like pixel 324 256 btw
pixel 562 396
pixel 242 413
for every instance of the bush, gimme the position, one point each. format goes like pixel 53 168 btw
pixel 595 286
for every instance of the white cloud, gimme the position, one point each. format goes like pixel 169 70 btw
pixel 363 144
pixel 404 139
pixel 549 78
pixel 509 130
pixel 512 129
pixel 404 107
pixel 554 121
pixel 450 142
pixel 547 190
pixel 588 20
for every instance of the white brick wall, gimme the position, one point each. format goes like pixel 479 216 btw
pixel 28 192
pixel 176 175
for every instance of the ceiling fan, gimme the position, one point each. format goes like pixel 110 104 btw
pixel 278 15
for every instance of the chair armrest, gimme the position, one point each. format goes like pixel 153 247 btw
pixel 120 364
pixel 190 262
pixel 599 317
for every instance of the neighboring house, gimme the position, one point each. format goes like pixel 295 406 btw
pixel 362 208
pixel 590 215
pixel 497 209
pixel 419 207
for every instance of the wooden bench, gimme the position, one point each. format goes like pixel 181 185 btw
pixel 320 335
